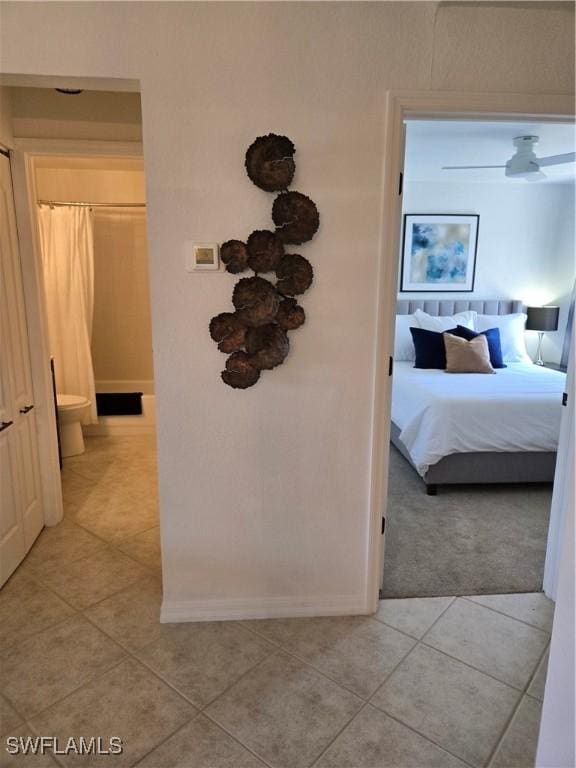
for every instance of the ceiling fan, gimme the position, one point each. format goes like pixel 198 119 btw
pixel 523 163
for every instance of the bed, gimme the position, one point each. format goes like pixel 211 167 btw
pixel 476 428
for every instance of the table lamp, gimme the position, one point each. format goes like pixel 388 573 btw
pixel 542 319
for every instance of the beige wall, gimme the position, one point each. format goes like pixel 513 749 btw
pixel 6 135
pixel 122 335
pixel 43 112
pixel 264 494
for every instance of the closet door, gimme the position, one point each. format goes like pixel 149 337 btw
pixel 21 514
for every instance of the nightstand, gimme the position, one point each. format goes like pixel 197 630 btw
pixel 555 367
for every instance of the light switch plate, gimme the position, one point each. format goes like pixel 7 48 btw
pixel 202 257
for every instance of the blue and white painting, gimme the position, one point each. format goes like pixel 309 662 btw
pixel 439 253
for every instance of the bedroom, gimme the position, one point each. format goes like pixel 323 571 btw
pixel 481 441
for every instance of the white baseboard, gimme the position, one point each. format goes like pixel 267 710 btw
pixel 262 608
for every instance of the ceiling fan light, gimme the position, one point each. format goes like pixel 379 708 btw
pixel 521 167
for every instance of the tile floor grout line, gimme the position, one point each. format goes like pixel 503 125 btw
pixel 84 684
pixel 36 732
pixel 85 608
pixel 195 716
pixel 408 725
pixel 436 620
pixel 135 560
pixel 422 643
pixel 127 656
pixel 471 666
pixel 10 702
pixel 508 616
pixel 533 675
pixel 40 580
pixel 422 735
pixel 94 677
pixel 314 763
pixel 39 631
pixel 402 660
pixel 151 577
pixel 271 655
pixel 307 663
pixel 132 655
pixel 502 736
pixel 507 726
pixel 534 698
pixel 37 576
pixel 107 541
pixel 236 739
pixel 488 674
pixel 203 707
pixel 135 535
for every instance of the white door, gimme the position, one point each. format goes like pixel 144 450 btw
pixel 21 514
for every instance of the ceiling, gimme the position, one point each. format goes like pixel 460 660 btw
pixel 430 144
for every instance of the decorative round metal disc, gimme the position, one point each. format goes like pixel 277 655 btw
pixel 296 217
pixel 290 315
pixel 234 255
pixel 267 346
pixel 294 275
pixel 256 300
pixel 269 162
pixel 265 249
pixel 240 373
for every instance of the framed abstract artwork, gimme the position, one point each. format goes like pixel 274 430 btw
pixel 439 252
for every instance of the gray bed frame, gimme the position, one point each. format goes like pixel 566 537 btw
pixel 482 467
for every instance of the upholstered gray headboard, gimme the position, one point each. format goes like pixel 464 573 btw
pixel 439 307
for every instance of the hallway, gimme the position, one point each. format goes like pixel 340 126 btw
pixel 436 682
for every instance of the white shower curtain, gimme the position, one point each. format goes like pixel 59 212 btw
pixel 68 264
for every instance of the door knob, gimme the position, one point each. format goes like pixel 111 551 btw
pixel 26 408
pixel 4 425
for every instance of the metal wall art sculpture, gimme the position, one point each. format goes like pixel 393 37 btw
pixel 255 335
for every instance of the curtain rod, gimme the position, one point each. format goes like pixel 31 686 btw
pixel 92 205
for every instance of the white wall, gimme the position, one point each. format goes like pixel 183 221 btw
pixel 525 243
pixel 264 493
pixel 556 746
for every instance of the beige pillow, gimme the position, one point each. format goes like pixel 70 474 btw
pixel 464 356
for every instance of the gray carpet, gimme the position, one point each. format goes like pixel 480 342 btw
pixel 467 540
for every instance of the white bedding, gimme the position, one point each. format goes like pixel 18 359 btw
pixel 516 409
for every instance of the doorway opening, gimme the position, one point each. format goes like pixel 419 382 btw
pixel 87 210
pixel 474 441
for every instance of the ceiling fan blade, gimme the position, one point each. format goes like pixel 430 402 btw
pixel 568 157
pixel 468 167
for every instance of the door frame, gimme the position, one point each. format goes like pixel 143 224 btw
pixel 420 105
pixel 22 156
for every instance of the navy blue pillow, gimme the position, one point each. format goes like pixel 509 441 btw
pixel 493 338
pixel 430 349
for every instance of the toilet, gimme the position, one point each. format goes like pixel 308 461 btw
pixel 71 410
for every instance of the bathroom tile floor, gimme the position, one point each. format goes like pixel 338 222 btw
pixel 425 683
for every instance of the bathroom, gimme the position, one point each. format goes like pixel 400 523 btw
pixel 91 213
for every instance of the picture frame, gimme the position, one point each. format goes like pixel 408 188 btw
pixel 205 256
pixel 439 252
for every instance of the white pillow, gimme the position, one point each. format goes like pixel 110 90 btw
pixel 445 323
pixel 512 328
pixel 403 343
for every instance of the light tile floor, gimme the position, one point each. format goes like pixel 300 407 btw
pixel 425 683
